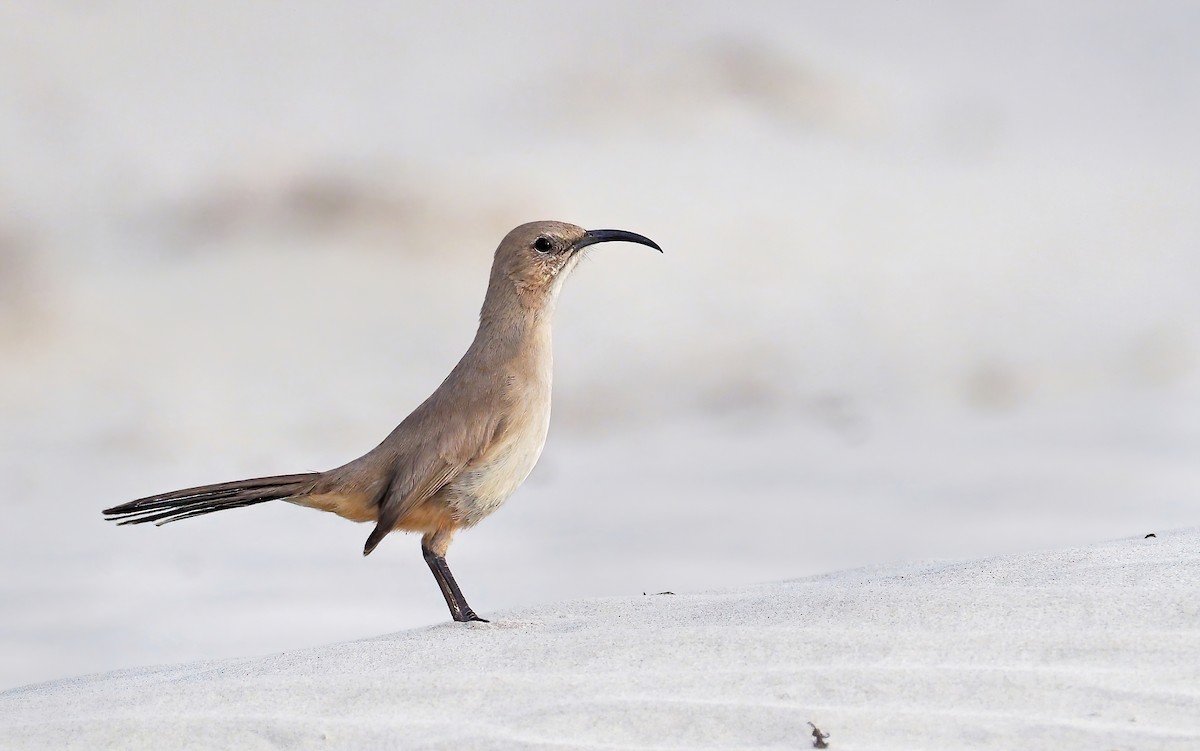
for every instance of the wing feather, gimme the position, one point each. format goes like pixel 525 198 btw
pixel 431 453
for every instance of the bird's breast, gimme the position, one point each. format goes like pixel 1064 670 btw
pixel 489 480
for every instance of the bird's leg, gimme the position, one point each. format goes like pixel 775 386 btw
pixel 459 609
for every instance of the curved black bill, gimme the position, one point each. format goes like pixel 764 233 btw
pixel 593 236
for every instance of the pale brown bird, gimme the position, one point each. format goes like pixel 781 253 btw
pixel 462 452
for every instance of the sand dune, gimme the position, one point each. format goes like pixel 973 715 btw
pixel 1085 648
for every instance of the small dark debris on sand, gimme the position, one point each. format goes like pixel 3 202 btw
pixel 818 737
pixel 1147 537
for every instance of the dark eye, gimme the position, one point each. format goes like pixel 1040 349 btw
pixel 543 245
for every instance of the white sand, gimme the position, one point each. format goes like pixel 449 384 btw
pixel 1088 648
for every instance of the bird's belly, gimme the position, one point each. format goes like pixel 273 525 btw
pixel 487 483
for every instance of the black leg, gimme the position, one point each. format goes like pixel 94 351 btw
pixel 459 609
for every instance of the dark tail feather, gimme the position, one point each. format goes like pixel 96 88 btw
pixel 184 504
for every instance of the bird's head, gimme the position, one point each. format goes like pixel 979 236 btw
pixel 536 258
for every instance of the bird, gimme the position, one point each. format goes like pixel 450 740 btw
pixel 464 450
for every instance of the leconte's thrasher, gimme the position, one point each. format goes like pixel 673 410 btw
pixel 462 452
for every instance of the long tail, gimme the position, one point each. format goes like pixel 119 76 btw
pixel 184 504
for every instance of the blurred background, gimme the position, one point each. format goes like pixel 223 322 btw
pixel 930 289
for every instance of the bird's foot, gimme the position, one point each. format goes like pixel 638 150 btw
pixel 469 616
